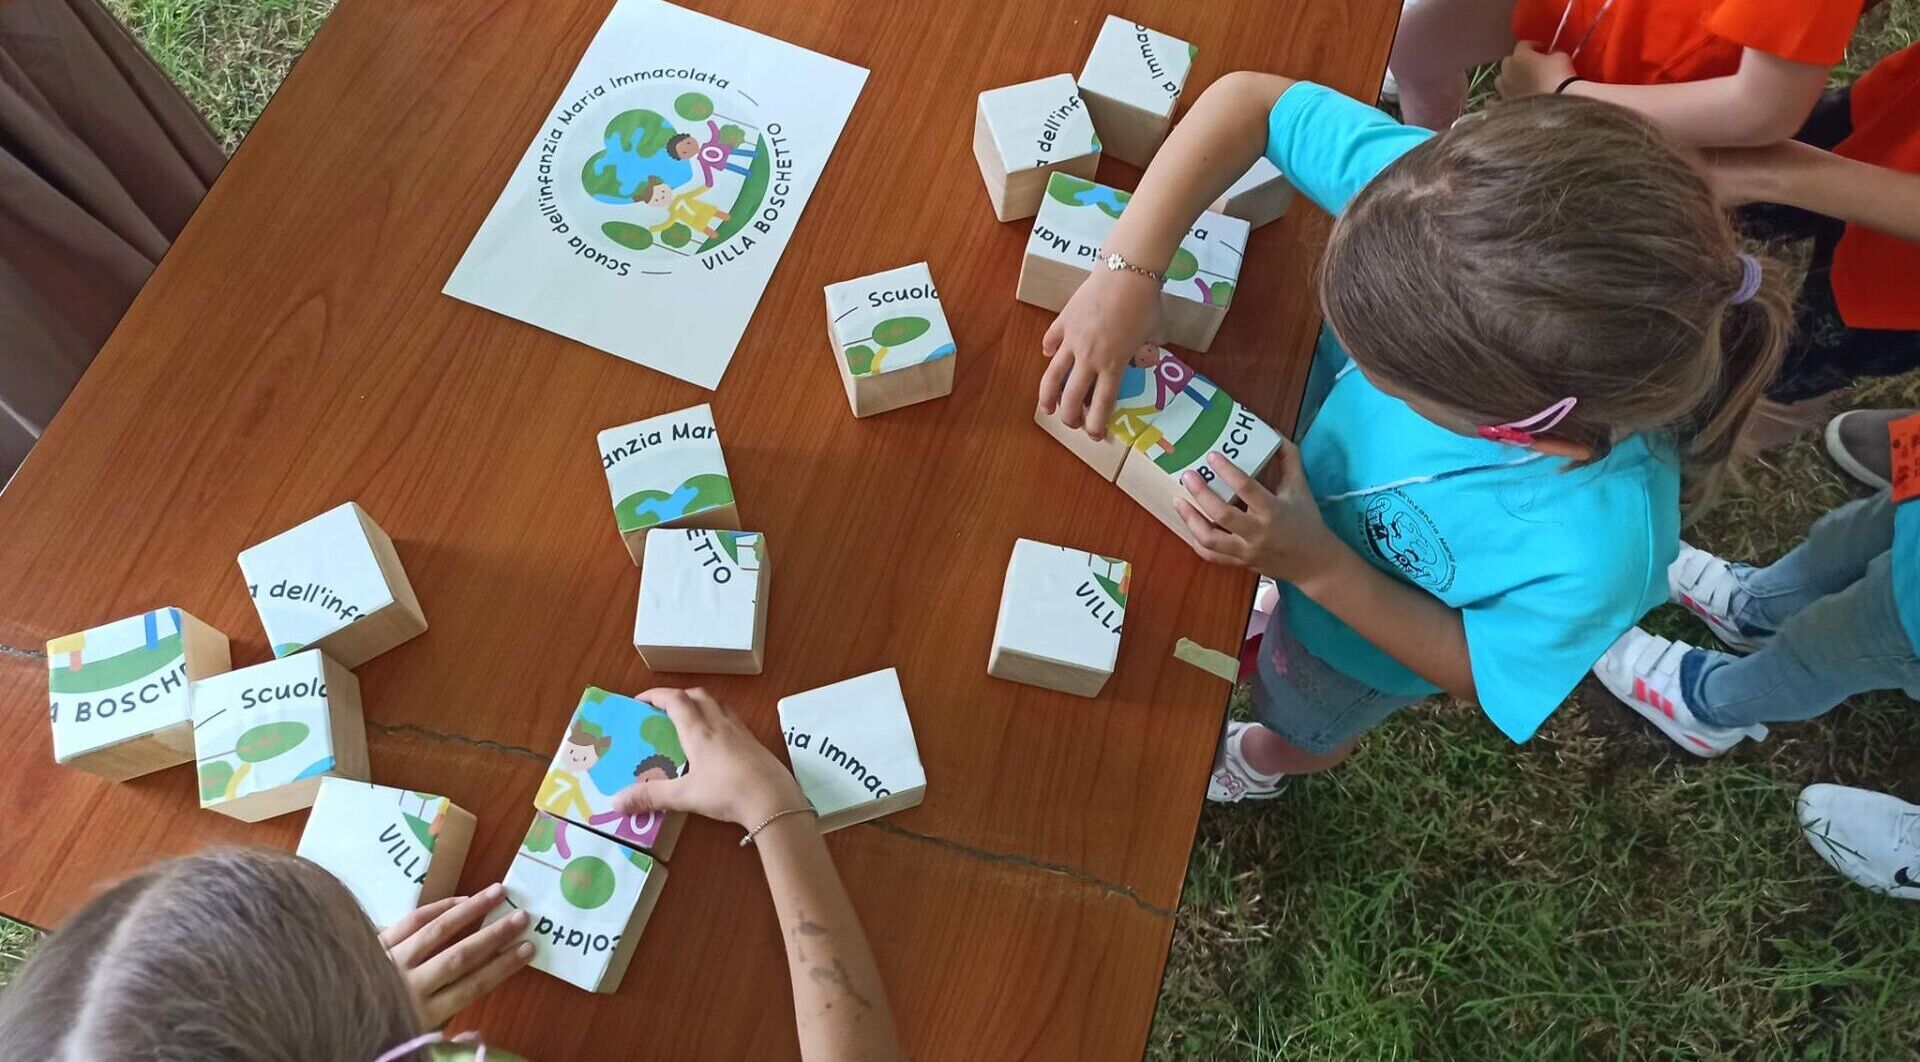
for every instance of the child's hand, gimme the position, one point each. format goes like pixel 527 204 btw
pixel 1280 533
pixel 446 963
pixel 1531 72
pixel 1108 319
pixel 730 775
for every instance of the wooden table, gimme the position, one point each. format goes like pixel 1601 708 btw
pixel 293 351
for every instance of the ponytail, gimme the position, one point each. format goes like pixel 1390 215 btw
pixel 1753 335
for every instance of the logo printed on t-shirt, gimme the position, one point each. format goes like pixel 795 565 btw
pixel 1404 536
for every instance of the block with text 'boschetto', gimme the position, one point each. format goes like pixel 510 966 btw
pixel 120 694
pixel 1132 82
pixel 587 897
pixel 703 602
pixel 332 583
pixel 1072 227
pixel 890 339
pixel 1198 420
pixel 611 742
pixel 852 749
pixel 394 849
pixel 1022 133
pixel 1061 613
pixel 667 471
pixel 1262 194
pixel 264 736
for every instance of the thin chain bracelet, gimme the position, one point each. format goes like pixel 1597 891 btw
pixel 771 819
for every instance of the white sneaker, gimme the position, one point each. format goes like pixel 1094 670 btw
pixel 1234 779
pixel 1872 838
pixel 1705 585
pixel 1643 670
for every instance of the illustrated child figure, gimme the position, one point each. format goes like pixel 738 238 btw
pixel 686 206
pixel 715 155
pixel 1838 615
pixel 1538 322
pixel 563 792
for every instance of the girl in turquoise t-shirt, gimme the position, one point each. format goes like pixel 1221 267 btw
pixel 1538 321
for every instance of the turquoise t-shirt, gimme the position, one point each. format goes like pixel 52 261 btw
pixel 1547 563
pixel 1906 568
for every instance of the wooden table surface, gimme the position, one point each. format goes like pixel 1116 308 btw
pixel 294 351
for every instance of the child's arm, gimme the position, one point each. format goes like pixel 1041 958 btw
pixel 1805 176
pixel 1114 312
pixel 1765 101
pixel 839 1003
pixel 1281 533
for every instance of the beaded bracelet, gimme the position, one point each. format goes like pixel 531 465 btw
pixel 771 819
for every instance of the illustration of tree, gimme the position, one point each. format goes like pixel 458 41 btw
pixel 540 836
pixel 587 882
pixel 658 731
pixel 676 235
pixel 892 332
pixel 698 107
pixel 214 777
pixel 1183 266
pixel 641 131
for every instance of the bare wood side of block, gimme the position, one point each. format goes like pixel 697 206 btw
pixel 1104 456
pixel 1126 132
pixel 630 936
pixel 449 854
pixel 1257 206
pixel 1017 194
pixel 206 648
pixel 671 824
pixel 719 518
pixel 701 661
pixel 390 567
pixel 993 169
pixel 1147 484
pixel 885 391
pixel 1047 283
pixel 873 809
pixel 150 752
pixel 1191 324
pixel 1015 666
pixel 346 722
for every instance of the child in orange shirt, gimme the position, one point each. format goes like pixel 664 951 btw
pixel 1718 73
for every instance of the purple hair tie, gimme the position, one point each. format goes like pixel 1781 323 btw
pixel 1749 279
pixel 399 1051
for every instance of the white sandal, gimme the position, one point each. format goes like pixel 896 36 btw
pixel 1234 780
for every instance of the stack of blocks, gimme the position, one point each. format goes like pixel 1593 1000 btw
pixel 852 749
pixel 1022 133
pixel 1132 83
pixel 1167 418
pixel 1071 228
pixel 667 471
pixel 394 849
pixel 264 736
pixel 890 339
pixel 121 694
pixel 1061 612
pixel 703 602
pixel 333 583
pixel 586 873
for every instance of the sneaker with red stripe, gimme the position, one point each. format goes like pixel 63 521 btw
pixel 1643 670
pixel 1705 585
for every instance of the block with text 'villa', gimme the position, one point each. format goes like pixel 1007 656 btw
pixel 332 583
pixel 667 471
pixel 852 749
pixel 394 849
pixel 1061 614
pixel 120 694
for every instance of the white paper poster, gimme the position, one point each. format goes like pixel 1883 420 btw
pixel 653 204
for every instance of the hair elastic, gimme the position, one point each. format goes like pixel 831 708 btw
pixel 1750 275
pixel 436 1037
pixel 1521 432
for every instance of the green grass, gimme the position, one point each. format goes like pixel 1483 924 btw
pixel 1592 895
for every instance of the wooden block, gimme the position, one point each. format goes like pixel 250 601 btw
pixel 612 741
pixel 1155 376
pixel 264 736
pixel 121 693
pixel 394 849
pixel 703 602
pixel 1073 224
pixel 1199 420
pixel 1261 195
pixel 333 583
pixel 1061 611
pixel 1022 133
pixel 588 897
pixel 852 749
pixel 890 339
pixel 1132 83
pixel 667 471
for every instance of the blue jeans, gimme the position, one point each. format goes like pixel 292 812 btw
pixel 1836 627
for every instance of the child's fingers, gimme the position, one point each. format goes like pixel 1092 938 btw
pixel 1105 391
pixel 1054 379
pixel 411 922
pixel 1050 343
pixel 468 990
pixel 445 928
pixel 689 716
pixel 1073 397
pixel 1211 505
pixel 1207 538
pixel 650 794
pixel 468 954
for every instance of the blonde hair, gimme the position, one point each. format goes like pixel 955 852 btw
pixel 1557 246
pixel 237 954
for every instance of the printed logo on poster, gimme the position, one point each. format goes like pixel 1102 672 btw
pixel 652 171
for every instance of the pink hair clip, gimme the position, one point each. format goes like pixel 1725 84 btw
pixel 1521 432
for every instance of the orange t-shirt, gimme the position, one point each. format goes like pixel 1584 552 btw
pixel 1659 42
pixel 1876 277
